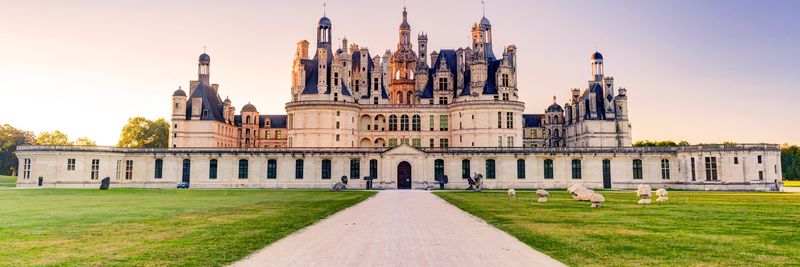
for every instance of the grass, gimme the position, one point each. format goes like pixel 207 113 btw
pixel 693 229
pixel 791 183
pixel 154 227
pixel 8 181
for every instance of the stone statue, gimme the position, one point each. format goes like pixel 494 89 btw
pixel 580 193
pixel 644 192
pixel 339 186
pixel 344 179
pixel 596 199
pixel 542 195
pixel 478 182
pixel 662 195
pixel 105 183
pixel 512 193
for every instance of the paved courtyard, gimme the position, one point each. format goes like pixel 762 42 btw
pixel 399 228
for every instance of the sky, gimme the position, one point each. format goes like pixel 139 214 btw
pixel 695 70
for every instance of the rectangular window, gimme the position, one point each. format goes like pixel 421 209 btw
pixel 499 120
pixel 373 168
pixel 272 169
pixel 443 125
pixel 266 135
pixel 510 120
pixel 244 167
pixel 337 125
pixel 443 143
pixel 159 169
pixel 665 169
pixel 637 169
pixel 759 159
pixel 95 173
pixel 548 169
pixel 520 169
pixel 510 141
pixel 278 135
pixel 465 168
pixel 118 172
pixel 128 169
pixel 760 175
pixel 70 164
pixel 693 170
pixel 298 169
pixel 392 142
pixel 735 160
pixel 26 169
pixel 576 169
pixel 415 142
pixel 438 169
pixel 337 138
pixel 490 169
pixel 212 169
pixel 326 169
pixel 355 168
pixel 431 120
pixel 711 168
pixel 431 143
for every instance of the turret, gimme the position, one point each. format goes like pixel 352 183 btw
pixel 179 104
pixel 204 68
pixel 322 70
pixel 422 39
pixel 597 66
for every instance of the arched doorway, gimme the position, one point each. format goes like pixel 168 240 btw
pixel 404 175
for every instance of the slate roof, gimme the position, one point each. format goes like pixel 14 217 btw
pixel 531 120
pixel 450 56
pixel 211 103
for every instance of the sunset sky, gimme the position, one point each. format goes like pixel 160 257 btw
pixel 701 71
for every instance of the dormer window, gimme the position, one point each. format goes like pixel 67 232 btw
pixel 442 83
pixel 205 113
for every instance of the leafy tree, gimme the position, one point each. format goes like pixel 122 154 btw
pixel 143 133
pixel 84 141
pixel 667 143
pixel 52 138
pixel 10 138
pixel 790 162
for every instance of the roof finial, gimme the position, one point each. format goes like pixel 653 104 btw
pixel 554 99
pixel 483 3
pixel 324 9
pixel 204 49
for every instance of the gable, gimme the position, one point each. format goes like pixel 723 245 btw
pixel 404 150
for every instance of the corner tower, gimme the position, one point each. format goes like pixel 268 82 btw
pixel 402 68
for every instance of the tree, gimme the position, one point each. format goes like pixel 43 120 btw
pixel 790 162
pixel 667 143
pixel 84 141
pixel 52 138
pixel 10 138
pixel 143 133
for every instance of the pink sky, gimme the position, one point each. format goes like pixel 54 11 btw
pixel 702 71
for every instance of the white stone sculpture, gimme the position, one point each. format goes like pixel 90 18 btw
pixel 512 193
pixel 644 193
pixel 596 199
pixel 542 195
pixel 662 195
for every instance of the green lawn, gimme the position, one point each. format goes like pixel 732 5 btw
pixel 8 181
pixel 154 227
pixel 694 229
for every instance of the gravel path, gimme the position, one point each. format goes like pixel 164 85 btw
pixel 399 228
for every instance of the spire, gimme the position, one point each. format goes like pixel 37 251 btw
pixel 324 9
pixel 483 3
pixel 554 99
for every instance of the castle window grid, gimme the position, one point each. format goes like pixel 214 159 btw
pixel 128 169
pixel 272 169
pixel 711 168
pixel 298 169
pixel 665 169
pixel 212 169
pixel 95 171
pixel 159 169
pixel 26 169
pixel 355 168
pixel 326 169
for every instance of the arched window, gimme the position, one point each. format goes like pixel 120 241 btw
pixel 410 97
pixel 404 123
pixel 416 123
pixel 438 169
pixel 392 123
pixel 399 98
pixel 248 119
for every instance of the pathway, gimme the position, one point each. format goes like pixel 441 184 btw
pixel 399 228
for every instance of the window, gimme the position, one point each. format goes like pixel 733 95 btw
pixel 212 169
pixel 443 143
pixel 243 168
pixel 442 83
pixel 159 169
pixel 438 169
pixel 128 169
pixel 490 169
pixel 443 123
pixel 442 100
pixel 548 169
pixel 392 142
pixel 499 120
pixel 298 169
pixel 415 123
pixel 119 170
pixel 465 168
pixel 95 172
pixel 337 125
pixel 533 134
pixel 416 142
pixel 431 123
pixel 499 141
pixel 326 169
pixel 711 168
pixel 759 159
pixel 520 169
pixel 665 169
pixel 505 97
pixel 266 135
pixel 70 164
pixel 373 168
pixel 735 160
pixel 355 168
pixel 510 141
pixel 272 169
pixel 404 123
pixel 431 142
pixel 509 120
pixel 278 135
pixel 693 173
pixel 505 80
pixel 576 169
pixel 637 169
pixel 392 123
pixel 26 169
pixel 760 175
pixel 337 138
